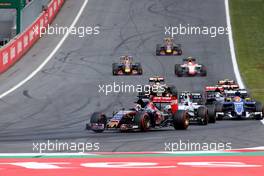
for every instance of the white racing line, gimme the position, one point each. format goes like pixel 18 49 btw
pixel 232 48
pixel 50 56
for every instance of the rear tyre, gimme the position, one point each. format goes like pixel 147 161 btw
pixel 211 113
pixel 203 114
pixel 99 119
pixel 219 108
pixel 115 69
pixel 158 49
pixel 178 70
pixel 142 119
pixel 203 71
pixel 259 108
pixel 179 52
pixel 140 70
pixel 181 120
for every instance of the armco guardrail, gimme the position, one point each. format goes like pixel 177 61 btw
pixel 17 47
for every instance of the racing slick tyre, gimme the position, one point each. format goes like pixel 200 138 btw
pixel 139 69
pixel 211 113
pixel 259 108
pixel 158 49
pixel 115 69
pixel 178 70
pixel 181 120
pixel 179 52
pixel 219 108
pixel 142 119
pixel 203 114
pixel 100 120
pixel 203 71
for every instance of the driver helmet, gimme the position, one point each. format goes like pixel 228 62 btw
pixel 138 107
pixel 167 108
pixel 237 94
pixel 126 59
pixel 185 100
pixel 218 95
pixel 140 102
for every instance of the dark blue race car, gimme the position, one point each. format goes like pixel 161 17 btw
pixel 239 106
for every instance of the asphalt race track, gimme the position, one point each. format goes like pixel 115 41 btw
pixel 58 101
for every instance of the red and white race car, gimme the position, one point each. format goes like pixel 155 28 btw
pixel 190 68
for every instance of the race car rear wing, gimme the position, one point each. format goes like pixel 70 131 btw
pixel 173 100
pixel 162 99
pixel 156 79
pixel 196 97
pixel 193 95
pixel 225 82
pixel 232 93
pixel 214 89
pixel 232 86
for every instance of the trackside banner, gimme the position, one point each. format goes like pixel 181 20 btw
pixel 17 47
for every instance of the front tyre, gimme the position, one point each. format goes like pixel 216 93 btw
pixel 181 120
pixel 178 70
pixel 211 113
pixel 115 69
pixel 142 120
pixel 259 108
pixel 98 122
pixel 140 70
pixel 179 52
pixel 203 114
pixel 158 49
pixel 203 71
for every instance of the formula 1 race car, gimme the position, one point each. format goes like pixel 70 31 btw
pixel 238 105
pixel 214 94
pixel 190 68
pixel 156 79
pixel 126 67
pixel 228 84
pixel 168 48
pixel 158 112
pixel 198 112
pixel 158 87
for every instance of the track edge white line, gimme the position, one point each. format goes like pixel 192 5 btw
pixel 232 47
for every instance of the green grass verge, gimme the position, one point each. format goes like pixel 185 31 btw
pixel 247 18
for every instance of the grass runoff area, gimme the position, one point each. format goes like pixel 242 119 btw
pixel 247 18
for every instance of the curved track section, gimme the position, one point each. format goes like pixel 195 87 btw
pixel 57 103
